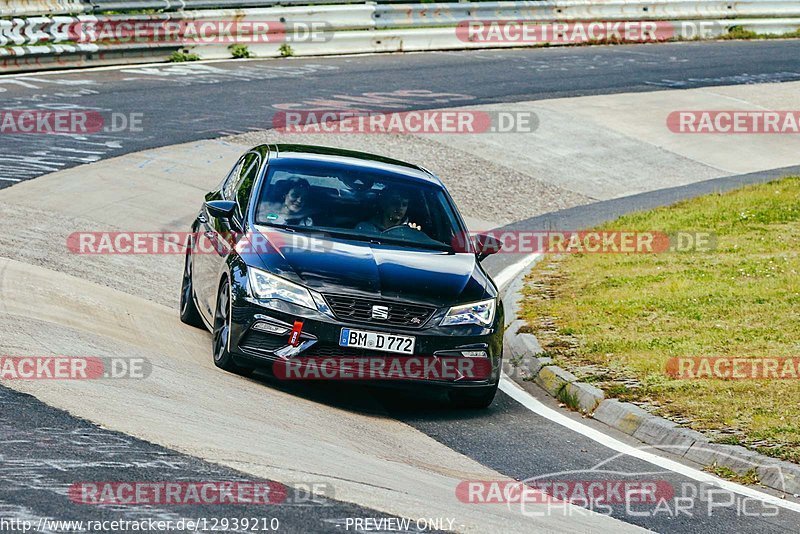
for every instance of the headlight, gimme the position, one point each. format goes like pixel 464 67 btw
pixel 268 286
pixel 480 313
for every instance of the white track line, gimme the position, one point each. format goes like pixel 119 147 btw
pixel 523 397
pixel 508 274
pixel 11 179
pixel 102 68
pixel 166 63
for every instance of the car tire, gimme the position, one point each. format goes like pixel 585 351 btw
pixel 222 331
pixel 477 399
pixel 189 312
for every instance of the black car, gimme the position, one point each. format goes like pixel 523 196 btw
pixel 305 253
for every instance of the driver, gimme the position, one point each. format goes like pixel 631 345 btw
pixel 393 207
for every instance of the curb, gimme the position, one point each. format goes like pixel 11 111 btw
pixel 524 366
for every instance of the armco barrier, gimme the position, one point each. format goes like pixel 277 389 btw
pixel 29 8
pixel 100 6
pixel 420 15
pixel 39 43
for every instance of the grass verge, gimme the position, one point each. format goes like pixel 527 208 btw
pixel 616 319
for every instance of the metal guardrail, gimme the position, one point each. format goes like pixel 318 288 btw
pixel 421 15
pixel 437 13
pixel 100 6
pixel 31 8
pixel 49 42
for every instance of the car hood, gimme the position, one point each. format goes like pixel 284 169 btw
pixel 386 271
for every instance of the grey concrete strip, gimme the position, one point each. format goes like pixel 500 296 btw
pixel 46 451
pixel 644 119
pixel 588 397
pixel 553 379
pixel 612 146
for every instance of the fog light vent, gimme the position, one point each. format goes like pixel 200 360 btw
pixel 270 328
pixel 474 354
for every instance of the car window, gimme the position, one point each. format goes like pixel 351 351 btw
pixel 244 186
pixel 358 203
pixel 229 184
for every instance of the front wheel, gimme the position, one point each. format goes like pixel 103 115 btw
pixel 473 399
pixel 222 333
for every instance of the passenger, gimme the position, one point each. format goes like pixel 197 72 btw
pixel 294 209
pixel 393 209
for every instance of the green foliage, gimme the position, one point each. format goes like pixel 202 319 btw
pixel 240 51
pixel 180 56
pixel 286 50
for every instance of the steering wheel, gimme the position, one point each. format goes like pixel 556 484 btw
pixel 400 227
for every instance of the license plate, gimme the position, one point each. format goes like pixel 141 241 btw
pixel 361 339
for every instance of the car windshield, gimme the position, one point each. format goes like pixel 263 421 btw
pixel 364 204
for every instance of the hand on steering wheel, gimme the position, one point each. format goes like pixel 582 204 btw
pixel 413 226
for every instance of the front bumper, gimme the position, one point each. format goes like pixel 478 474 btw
pixel 257 340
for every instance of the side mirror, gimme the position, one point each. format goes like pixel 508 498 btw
pixel 221 209
pixel 486 245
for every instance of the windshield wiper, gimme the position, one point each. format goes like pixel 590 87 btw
pixel 278 225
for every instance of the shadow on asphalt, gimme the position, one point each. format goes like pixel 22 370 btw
pixel 392 401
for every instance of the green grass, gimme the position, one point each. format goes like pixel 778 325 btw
pixel 286 50
pixel 619 317
pixel 750 478
pixel 570 400
pixel 738 32
pixel 182 57
pixel 240 51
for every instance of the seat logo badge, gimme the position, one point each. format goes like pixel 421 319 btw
pixel 380 312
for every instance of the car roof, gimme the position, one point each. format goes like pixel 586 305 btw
pixel 340 156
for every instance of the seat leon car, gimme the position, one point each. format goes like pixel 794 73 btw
pixel 320 263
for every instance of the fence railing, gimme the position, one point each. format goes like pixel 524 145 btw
pixel 59 41
pixel 29 8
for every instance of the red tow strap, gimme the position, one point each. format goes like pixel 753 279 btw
pixel 294 337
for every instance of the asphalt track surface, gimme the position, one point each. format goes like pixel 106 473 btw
pixel 44 450
pixel 187 102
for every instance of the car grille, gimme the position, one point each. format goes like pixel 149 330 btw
pixel 322 350
pixel 360 311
